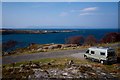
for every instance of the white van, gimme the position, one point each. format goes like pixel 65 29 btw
pixel 101 54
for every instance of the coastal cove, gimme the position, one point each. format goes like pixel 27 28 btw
pixel 57 38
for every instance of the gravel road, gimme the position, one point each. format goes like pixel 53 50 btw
pixel 41 55
pixel 28 57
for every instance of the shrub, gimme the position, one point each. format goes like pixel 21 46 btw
pixel 9 44
pixel 90 40
pixel 111 37
pixel 75 40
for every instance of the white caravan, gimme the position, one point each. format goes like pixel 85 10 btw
pixel 101 54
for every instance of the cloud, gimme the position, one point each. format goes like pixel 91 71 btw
pixel 87 11
pixel 90 9
pixel 63 14
pixel 83 14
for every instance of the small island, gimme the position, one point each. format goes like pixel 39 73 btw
pixel 19 31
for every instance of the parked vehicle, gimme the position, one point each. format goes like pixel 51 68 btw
pixel 101 54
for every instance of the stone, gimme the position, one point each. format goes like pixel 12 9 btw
pixel 102 73
pixel 23 77
pixel 70 63
pixel 81 75
pixel 92 73
pixel 41 74
pixel 21 70
pixel 74 71
pixel 22 65
pixel 33 65
pixel 86 76
pixel 39 49
pixel 30 77
pixel 27 66
pixel 65 74
pixel 49 63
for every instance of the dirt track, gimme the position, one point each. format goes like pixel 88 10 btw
pixel 28 57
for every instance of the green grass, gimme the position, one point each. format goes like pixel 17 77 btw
pixel 109 44
pixel 60 61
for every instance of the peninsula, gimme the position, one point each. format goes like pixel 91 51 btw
pixel 29 31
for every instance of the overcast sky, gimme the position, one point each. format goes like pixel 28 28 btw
pixel 60 15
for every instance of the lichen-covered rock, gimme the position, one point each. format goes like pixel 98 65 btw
pixel 48 70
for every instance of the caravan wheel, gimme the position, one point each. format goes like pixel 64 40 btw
pixel 85 56
pixel 102 62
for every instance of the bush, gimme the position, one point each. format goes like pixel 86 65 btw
pixel 90 40
pixel 9 44
pixel 75 40
pixel 111 37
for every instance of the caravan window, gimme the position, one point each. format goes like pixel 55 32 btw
pixel 92 52
pixel 87 51
pixel 102 53
pixel 112 53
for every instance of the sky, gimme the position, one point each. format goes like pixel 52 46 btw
pixel 60 15
pixel 60 0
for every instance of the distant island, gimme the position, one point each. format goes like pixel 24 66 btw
pixel 16 31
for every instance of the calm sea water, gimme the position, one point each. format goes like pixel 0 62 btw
pixel 26 39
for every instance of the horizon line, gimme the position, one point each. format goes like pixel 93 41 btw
pixel 60 28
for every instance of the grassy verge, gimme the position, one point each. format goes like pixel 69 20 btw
pixel 61 61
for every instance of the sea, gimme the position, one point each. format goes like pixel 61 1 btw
pixel 57 38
